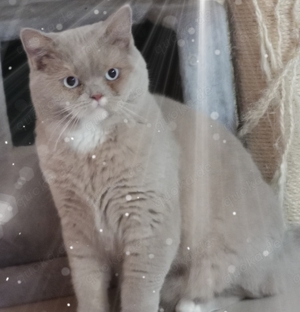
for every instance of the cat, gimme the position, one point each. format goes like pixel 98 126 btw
pixel 149 192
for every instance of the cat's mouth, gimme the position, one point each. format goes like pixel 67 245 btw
pixel 100 103
pixel 99 112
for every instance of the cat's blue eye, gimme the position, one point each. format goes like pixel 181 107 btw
pixel 71 82
pixel 112 74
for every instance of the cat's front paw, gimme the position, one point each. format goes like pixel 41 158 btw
pixel 185 305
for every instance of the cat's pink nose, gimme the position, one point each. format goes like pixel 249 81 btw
pixel 97 97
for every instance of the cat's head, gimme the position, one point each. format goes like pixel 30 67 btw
pixel 88 74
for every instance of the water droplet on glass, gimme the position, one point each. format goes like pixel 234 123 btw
pixel 169 241
pixel 216 136
pixel 59 26
pixel 214 115
pixel 191 30
pixel 65 271
pixel 266 253
pixel 181 42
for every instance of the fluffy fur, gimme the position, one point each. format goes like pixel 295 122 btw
pixel 164 200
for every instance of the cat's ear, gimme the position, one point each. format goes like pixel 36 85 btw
pixel 118 27
pixel 38 46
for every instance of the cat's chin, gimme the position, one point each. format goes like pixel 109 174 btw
pixel 87 136
pixel 99 114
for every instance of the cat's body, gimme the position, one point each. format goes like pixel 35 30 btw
pixel 232 226
pixel 101 224
pixel 145 187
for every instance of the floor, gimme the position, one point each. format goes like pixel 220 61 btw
pixel 66 304
pixel 288 302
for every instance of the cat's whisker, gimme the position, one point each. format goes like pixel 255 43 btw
pixel 121 102
pixel 63 110
pixel 64 129
pixel 75 106
pixel 60 122
pixel 125 104
pixel 127 115
pixel 56 126
pixel 76 120
pixel 69 123
pixel 61 113
pixel 71 113
pixel 125 112
pixel 134 113
pixel 61 135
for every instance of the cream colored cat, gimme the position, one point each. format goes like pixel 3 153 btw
pixel 148 191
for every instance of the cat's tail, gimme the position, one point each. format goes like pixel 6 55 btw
pixel 276 271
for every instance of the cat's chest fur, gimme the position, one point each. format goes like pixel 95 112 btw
pixel 84 186
pixel 86 138
pixel 105 185
pixel 87 174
